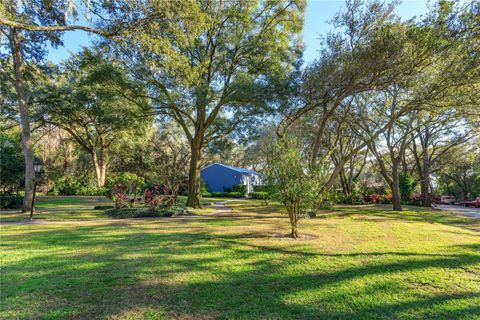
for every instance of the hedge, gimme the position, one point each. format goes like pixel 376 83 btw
pixel 11 201
pixel 260 195
pixel 228 194
pixel 262 188
pixel 144 213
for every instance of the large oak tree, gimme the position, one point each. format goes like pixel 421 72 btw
pixel 211 65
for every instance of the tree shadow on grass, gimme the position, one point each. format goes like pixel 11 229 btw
pixel 99 272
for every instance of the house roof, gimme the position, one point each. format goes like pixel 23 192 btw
pixel 241 170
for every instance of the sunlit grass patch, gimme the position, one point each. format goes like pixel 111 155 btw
pixel 362 264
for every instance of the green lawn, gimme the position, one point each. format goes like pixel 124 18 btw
pixel 59 208
pixel 364 262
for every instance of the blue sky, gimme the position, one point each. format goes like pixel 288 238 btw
pixel 317 14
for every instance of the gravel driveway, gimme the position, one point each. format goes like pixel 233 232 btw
pixel 471 212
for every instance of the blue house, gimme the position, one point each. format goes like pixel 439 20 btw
pixel 219 176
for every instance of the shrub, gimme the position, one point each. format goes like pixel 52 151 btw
pixel 312 213
pixel 132 182
pixel 228 194
pixel 72 185
pixel 262 188
pixel 383 190
pixel 241 188
pixel 295 181
pixel 260 195
pixel 407 185
pixel 123 213
pixel 120 199
pixel 102 207
pixel 353 198
pixel 372 198
pixel 329 199
pixel 91 191
pixel 10 201
pixel 129 213
pixel 325 205
pixel 156 196
pixel 204 189
pixel 66 186
pixel 118 196
pixel 386 199
pixel 11 162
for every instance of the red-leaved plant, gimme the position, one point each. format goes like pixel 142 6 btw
pixel 118 196
pixel 158 195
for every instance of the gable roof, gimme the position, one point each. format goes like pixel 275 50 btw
pixel 241 170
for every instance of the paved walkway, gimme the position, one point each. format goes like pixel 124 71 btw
pixel 221 209
pixel 470 212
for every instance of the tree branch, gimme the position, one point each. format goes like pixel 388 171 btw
pixel 29 27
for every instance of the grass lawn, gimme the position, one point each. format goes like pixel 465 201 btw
pixel 365 262
pixel 57 208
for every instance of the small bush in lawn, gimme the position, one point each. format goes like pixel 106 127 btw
pixel 10 201
pixel 260 195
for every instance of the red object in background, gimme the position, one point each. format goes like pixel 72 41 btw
pixel 373 198
pixel 475 203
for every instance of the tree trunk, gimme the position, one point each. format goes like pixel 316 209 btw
pixel 425 185
pixel 343 181
pixel 24 119
pixel 193 199
pixel 425 188
pixel 294 215
pixel 397 204
pixel 100 168
pixel 67 164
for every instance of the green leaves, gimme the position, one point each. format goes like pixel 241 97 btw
pixel 208 55
pixel 290 174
